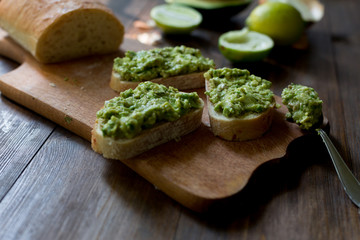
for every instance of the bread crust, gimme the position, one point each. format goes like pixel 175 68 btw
pixel 247 127
pixel 55 31
pixel 127 148
pixel 181 82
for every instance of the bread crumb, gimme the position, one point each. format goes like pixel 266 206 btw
pixel 68 119
pixel 149 38
pixel 143 25
pixel 52 84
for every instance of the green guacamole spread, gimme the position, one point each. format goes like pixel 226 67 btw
pixel 127 115
pixel 160 63
pixel 234 92
pixel 304 105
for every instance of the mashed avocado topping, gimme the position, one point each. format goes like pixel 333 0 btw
pixel 304 105
pixel 160 63
pixel 234 92
pixel 127 115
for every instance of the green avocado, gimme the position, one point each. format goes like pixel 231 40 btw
pixel 160 63
pixel 235 92
pixel 215 10
pixel 141 108
pixel 304 105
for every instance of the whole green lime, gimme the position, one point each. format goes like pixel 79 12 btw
pixel 280 21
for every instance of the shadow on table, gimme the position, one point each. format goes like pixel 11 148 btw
pixel 268 181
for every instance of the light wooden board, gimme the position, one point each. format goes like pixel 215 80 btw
pixel 195 171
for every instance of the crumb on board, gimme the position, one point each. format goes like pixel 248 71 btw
pixel 68 119
pixel 144 25
pixel 52 84
pixel 149 38
pixel 67 79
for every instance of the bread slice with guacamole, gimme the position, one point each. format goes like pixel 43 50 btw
pixel 180 67
pixel 140 119
pixel 240 105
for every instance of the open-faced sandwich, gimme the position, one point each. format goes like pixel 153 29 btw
pixel 142 118
pixel 240 105
pixel 180 67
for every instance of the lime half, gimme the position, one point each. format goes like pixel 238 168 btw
pixel 245 46
pixel 176 19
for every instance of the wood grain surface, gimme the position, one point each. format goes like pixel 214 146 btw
pixel 53 186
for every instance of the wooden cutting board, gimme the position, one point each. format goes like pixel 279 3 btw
pixel 195 171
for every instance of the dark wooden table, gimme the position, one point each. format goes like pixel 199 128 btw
pixel 53 186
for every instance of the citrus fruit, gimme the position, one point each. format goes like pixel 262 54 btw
pixel 175 19
pixel 215 10
pixel 280 21
pixel 212 4
pixel 310 10
pixel 244 45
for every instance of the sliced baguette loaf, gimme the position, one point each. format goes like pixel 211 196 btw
pixel 60 30
pixel 121 147
pixel 246 127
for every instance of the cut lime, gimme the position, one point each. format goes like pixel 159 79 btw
pixel 245 46
pixel 176 19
